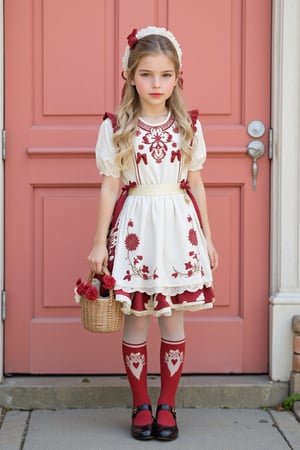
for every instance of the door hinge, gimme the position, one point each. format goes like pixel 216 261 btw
pixel 3 144
pixel 3 305
pixel 271 143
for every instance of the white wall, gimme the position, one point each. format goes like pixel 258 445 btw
pixel 285 187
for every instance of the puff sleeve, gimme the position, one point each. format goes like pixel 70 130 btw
pixel 105 151
pixel 198 149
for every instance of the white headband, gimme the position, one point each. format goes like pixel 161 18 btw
pixel 136 35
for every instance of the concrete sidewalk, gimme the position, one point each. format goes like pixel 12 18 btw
pixel 109 429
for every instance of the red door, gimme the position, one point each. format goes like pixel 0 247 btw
pixel 60 78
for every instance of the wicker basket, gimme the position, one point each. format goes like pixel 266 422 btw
pixel 103 315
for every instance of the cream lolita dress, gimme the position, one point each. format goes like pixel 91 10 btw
pixel 157 250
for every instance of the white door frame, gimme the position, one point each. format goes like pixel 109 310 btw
pixel 1 186
pixel 285 185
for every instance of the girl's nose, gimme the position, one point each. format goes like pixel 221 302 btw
pixel 155 81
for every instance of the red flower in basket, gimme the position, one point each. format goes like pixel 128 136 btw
pixel 108 282
pixel 91 293
pixel 85 290
pixel 83 287
pixel 79 290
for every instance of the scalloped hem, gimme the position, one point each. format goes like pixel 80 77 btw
pixel 160 305
pixel 171 291
pixel 167 311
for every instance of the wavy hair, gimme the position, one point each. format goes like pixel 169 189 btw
pixel 129 110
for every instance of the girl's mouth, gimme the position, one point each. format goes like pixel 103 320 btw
pixel 156 94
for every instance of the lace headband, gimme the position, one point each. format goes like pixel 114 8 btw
pixel 135 35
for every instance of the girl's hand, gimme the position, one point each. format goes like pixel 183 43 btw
pixel 98 258
pixel 213 255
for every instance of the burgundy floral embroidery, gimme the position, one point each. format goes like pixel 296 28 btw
pixel 157 138
pixel 193 237
pixel 193 265
pixel 136 262
pixel 132 242
pixel 194 116
pixel 112 242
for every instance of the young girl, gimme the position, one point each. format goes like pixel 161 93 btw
pixel 159 249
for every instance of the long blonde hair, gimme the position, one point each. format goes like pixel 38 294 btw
pixel 129 110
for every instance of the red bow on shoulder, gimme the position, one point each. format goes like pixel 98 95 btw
pixel 175 155
pixel 141 156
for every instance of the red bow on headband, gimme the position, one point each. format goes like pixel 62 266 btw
pixel 132 39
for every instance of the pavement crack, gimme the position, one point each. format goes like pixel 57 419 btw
pixel 276 425
pixel 25 430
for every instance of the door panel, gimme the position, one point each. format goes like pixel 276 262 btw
pixel 62 66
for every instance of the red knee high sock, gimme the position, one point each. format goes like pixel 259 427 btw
pixel 135 361
pixel 171 363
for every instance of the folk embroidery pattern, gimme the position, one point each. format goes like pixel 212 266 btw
pixel 112 242
pixel 157 139
pixel 136 261
pixel 173 359
pixel 193 265
pixel 135 363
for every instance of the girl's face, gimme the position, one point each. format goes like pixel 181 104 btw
pixel 154 79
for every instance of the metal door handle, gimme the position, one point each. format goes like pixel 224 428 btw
pixel 255 149
pixel 256 129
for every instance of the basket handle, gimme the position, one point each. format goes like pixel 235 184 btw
pixel 93 273
pixel 106 272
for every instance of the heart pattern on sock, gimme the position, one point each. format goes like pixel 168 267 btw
pixel 173 359
pixel 135 363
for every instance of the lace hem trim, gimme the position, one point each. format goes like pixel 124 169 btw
pixel 167 291
pixel 166 311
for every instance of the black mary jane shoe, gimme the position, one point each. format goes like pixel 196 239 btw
pixel 164 432
pixel 142 432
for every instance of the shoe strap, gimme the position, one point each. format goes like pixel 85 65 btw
pixel 143 407
pixel 165 407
